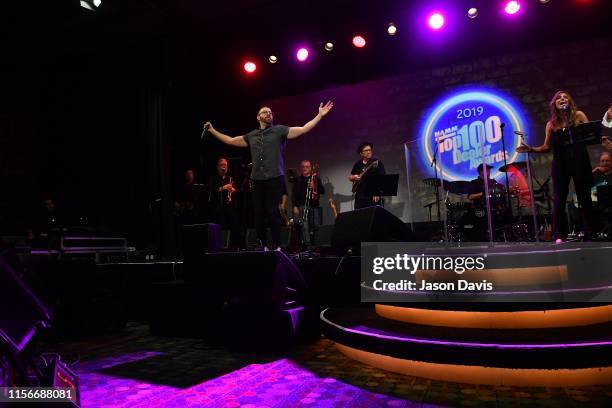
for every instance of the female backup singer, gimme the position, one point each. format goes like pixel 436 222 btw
pixel 570 161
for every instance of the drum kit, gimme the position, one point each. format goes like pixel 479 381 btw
pixel 467 220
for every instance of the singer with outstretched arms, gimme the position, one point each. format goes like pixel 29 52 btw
pixel 570 161
pixel 267 145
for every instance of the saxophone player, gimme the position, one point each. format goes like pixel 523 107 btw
pixel 306 193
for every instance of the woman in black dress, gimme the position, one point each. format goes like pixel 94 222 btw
pixel 570 161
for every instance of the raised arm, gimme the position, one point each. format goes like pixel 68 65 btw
pixel 607 119
pixel 237 141
pixel 544 148
pixel 297 131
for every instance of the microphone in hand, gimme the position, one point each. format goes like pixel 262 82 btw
pixel 205 129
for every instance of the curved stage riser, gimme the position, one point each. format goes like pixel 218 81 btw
pixel 551 357
pixel 483 375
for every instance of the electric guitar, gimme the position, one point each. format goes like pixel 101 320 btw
pixel 365 170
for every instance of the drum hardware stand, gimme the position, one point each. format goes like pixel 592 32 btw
pixel 503 140
pixel 530 184
pixel 485 180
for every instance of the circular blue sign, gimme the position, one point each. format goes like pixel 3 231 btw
pixel 464 127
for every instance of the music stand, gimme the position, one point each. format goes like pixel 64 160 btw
pixel 384 185
pixel 588 133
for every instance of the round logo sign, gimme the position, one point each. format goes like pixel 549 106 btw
pixel 465 127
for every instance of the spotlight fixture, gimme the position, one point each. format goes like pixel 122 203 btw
pixel 273 59
pixel 512 7
pixel 473 12
pixel 329 46
pixel 250 67
pixel 90 4
pixel 544 1
pixel 436 21
pixel 302 54
pixel 359 41
pixel 391 29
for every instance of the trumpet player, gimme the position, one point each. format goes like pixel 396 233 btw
pixel 221 198
pixel 306 193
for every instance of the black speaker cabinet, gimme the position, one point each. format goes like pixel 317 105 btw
pixel 370 224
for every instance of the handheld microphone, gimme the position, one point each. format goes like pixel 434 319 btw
pixel 564 107
pixel 204 131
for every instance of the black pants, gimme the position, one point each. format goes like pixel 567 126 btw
pixel 266 197
pixel 562 173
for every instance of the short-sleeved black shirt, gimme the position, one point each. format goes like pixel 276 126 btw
pixel 267 151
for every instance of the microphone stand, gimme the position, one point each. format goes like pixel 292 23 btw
pixel 434 163
pixel 435 166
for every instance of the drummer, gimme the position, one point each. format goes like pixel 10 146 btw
pixel 477 188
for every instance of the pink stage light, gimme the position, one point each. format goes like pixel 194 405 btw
pixel 359 41
pixel 250 67
pixel 436 21
pixel 512 7
pixel 302 54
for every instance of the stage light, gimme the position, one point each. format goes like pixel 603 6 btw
pixel 391 29
pixel 359 41
pixel 273 59
pixel 329 46
pixel 544 1
pixel 90 4
pixel 473 12
pixel 302 54
pixel 436 21
pixel 512 7
pixel 250 67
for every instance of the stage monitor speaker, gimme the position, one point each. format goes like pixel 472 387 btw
pixel 21 313
pixel 369 224
pixel 252 241
pixel 251 278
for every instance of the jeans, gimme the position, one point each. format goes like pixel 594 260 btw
pixel 312 224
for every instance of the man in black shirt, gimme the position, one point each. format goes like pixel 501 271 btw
pixel 602 174
pixel 314 214
pixel 221 199
pixel 477 189
pixel 267 144
pixel 365 167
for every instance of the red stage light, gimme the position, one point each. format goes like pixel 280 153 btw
pixel 359 41
pixel 250 67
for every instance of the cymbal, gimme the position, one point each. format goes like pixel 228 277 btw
pixel 457 187
pixel 520 165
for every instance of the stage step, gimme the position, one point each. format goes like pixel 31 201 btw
pixel 584 354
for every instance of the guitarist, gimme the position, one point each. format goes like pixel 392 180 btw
pixel 364 167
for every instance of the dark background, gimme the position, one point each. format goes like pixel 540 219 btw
pixel 103 109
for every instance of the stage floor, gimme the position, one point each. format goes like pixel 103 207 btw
pixel 134 369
